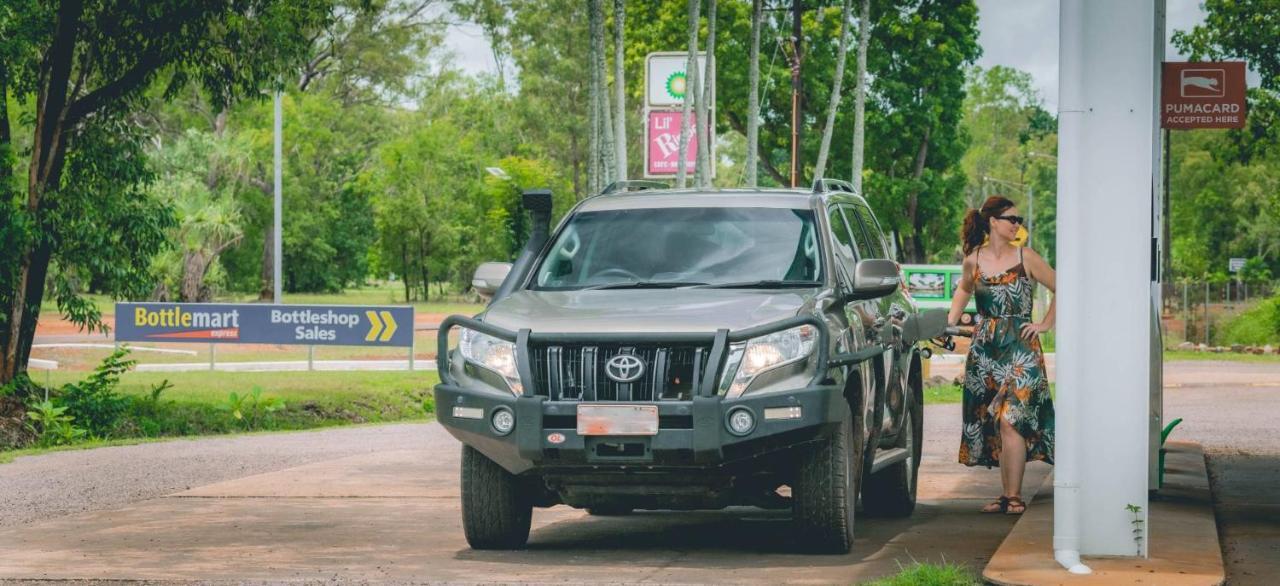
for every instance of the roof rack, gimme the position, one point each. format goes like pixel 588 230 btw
pixel 633 185
pixel 821 185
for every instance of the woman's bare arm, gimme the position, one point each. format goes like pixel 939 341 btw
pixel 1042 273
pixel 963 292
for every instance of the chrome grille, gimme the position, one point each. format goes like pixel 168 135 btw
pixel 577 372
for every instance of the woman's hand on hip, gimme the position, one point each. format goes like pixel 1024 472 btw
pixel 1031 330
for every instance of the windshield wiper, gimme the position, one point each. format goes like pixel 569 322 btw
pixel 645 285
pixel 763 284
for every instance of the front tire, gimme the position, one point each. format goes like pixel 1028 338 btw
pixel 825 493
pixel 495 512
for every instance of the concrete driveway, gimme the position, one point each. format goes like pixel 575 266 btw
pixel 393 515
pixel 381 504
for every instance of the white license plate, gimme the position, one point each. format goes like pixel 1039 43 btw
pixel 617 420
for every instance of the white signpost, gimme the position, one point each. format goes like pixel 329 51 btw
pixel 1235 265
pixel 666 81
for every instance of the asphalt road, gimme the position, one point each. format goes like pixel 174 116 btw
pixel 380 503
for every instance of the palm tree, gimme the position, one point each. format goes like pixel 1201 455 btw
pixel 834 103
pixel 620 90
pixel 691 82
pixel 594 181
pixel 860 102
pixel 703 96
pixel 753 99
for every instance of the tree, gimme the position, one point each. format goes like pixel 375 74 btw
pixel 620 88
pixel 690 96
pixel 833 103
pixel 200 177
pixel 603 124
pixel 552 61
pixel 860 99
pixel 702 95
pixel 1224 184
pixel 924 48
pixel 76 68
pixel 753 97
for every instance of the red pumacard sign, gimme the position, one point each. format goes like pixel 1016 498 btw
pixel 1203 95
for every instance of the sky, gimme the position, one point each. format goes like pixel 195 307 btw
pixel 1023 34
pixel 1017 33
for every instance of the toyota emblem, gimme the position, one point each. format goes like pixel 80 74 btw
pixel 624 368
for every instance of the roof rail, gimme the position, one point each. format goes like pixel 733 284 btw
pixel 633 185
pixel 821 185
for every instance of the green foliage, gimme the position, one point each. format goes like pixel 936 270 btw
pixel 252 410
pixel 1137 522
pixel 95 402
pixel 1258 326
pixel 76 72
pixel 200 176
pixel 1012 148
pixel 52 426
pixel 1225 185
pixel 437 211
pixel 916 63
pixel 921 574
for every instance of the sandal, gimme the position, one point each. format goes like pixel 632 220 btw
pixel 1000 505
pixel 1013 501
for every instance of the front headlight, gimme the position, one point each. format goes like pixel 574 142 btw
pixel 757 355
pixel 493 354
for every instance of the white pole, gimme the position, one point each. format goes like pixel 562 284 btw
pixel 1109 71
pixel 276 255
pixel 1066 482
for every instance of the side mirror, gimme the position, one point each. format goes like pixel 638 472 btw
pixel 875 277
pixel 489 277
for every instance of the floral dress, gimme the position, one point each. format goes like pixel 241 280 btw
pixel 1004 375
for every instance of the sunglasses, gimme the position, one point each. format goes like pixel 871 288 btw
pixel 1016 220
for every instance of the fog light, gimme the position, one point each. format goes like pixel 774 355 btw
pixel 741 421
pixel 503 420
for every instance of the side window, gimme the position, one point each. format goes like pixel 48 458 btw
pixel 859 237
pixel 841 240
pixel 875 237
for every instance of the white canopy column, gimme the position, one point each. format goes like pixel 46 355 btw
pixel 1109 68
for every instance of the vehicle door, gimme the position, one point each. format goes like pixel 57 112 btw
pixel 858 320
pixel 892 311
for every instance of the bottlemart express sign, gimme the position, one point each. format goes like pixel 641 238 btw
pixel 248 323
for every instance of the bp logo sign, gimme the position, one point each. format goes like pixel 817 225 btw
pixel 666 78
pixel 676 84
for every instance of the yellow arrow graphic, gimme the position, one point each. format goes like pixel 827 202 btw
pixel 375 326
pixel 391 326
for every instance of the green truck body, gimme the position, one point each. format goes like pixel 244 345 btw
pixel 933 286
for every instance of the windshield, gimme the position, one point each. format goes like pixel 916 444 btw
pixel 678 247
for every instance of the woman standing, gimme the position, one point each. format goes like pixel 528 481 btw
pixel 1008 413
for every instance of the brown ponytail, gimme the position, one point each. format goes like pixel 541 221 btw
pixel 978 222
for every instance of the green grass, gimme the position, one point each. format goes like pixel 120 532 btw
pixel 7 456
pixel 198 403
pixel 1175 355
pixel 918 574
pixel 942 394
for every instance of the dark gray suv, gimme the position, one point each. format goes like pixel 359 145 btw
pixel 677 349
